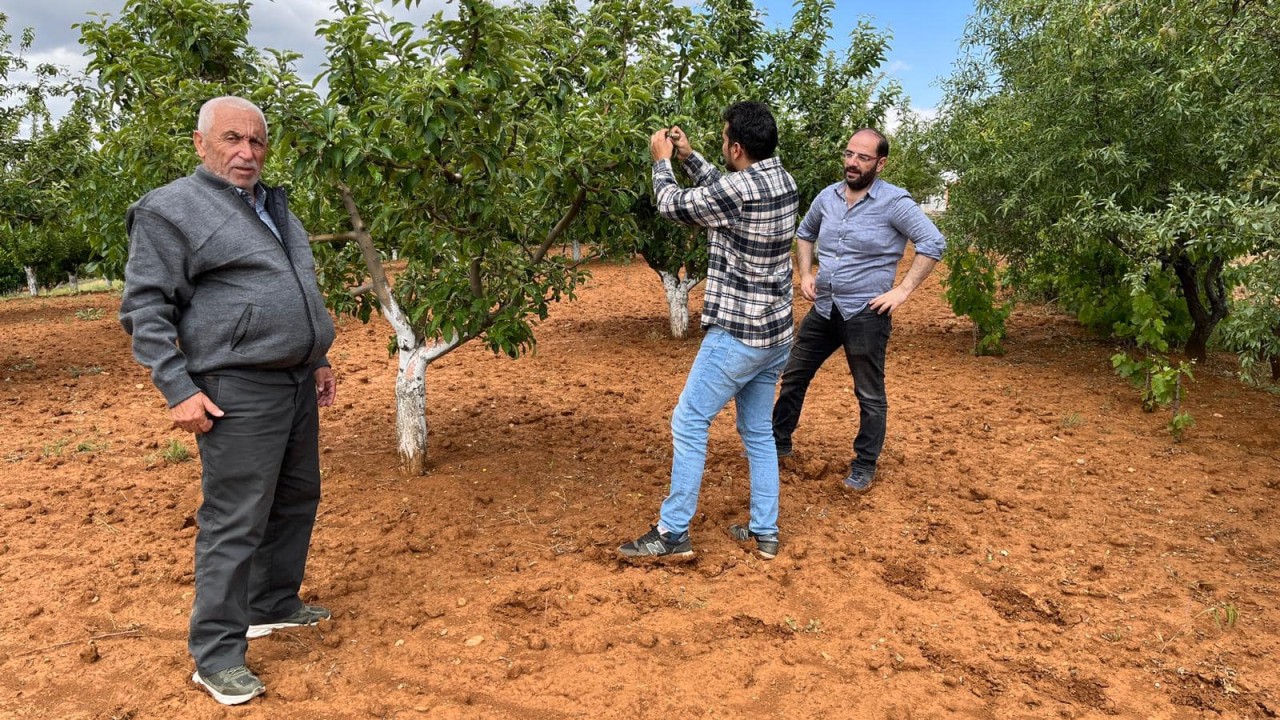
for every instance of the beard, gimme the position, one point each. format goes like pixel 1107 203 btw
pixel 861 181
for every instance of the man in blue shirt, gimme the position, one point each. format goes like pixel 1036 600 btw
pixel 860 227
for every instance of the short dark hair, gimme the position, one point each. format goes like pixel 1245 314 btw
pixel 882 147
pixel 752 126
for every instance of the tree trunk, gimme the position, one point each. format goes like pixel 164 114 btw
pixel 1206 297
pixel 411 409
pixel 677 291
pixel 74 281
pixel 577 251
pixel 1275 359
pixel 31 280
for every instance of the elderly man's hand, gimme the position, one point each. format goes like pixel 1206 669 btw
pixel 326 386
pixel 195 414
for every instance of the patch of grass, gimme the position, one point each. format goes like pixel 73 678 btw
pixel 1113 636
pixel 89 314
pixel 175 452
pixel 55 448
pixel 1071 420
pixel 86 286
pixel 89 446
pixel 77 371
pixel 25 365
pixel 813 627
pixel 1225 615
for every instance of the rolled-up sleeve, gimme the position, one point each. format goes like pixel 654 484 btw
pixel 811 225
pixel 911 221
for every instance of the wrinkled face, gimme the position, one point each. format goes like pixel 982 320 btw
pixel 861 162
pixel 234 147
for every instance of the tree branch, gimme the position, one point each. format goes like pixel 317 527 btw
pixel 377 273
pixel 569 216
pixel 332 238
pixel 477 288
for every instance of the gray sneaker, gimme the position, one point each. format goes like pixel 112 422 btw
pixel 305 615
pixel 232 686
pixel 859 479
pixel 766 545
pixel 658 544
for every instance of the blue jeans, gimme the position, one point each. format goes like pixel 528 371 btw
pixel 726 369
pixel 864 337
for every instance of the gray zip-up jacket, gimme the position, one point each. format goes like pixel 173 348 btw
pixel 209 288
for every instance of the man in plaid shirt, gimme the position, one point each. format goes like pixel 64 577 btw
pixel 750 217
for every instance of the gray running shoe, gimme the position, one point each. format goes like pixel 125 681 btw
pixel 858 479
pixel 766 545
pixel 305 615
pixel 658 544
pixel 232 686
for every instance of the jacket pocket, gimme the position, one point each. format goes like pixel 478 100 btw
pixel 246 327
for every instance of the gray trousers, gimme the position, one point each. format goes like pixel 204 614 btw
pixel 261 486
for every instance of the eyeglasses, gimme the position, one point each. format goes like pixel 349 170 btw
pixel 850 155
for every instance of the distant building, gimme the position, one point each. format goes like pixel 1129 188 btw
pixel 936 204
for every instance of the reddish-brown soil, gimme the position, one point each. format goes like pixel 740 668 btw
pixel 1035 545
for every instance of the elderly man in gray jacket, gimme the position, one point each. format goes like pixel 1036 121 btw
pixel 222 303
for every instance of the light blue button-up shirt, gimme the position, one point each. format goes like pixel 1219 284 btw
pixel 859 247
pixel 260 206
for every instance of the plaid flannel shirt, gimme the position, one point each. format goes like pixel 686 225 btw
pixel 750 217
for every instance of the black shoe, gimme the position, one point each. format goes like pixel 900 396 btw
pixel 859 479
pixel 766 545
pixel 658 544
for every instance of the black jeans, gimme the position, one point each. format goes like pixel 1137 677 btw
pixel 864 337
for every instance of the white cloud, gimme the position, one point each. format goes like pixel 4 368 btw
pixel 893 119
pixel 65 58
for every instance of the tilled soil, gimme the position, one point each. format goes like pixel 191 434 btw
pixel 1035 546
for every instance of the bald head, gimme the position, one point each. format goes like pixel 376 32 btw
pixel 882 142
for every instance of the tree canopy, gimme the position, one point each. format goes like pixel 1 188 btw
pixel 1118 158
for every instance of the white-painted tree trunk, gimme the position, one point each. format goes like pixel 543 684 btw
pixel 74 281
pixel 411 400
pixel 31 280
pixel 577 251
pixel 411 409
pixel 677 291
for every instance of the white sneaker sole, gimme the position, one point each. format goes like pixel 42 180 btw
pixel 226 699
pixel 265 629
pixel 257 631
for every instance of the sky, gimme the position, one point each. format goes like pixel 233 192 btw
pixel 925 33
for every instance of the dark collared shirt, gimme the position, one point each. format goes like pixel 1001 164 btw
pixel 859 247
pixel 750 216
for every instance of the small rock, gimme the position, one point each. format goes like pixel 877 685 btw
pixel 89 653
pixel 474 640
